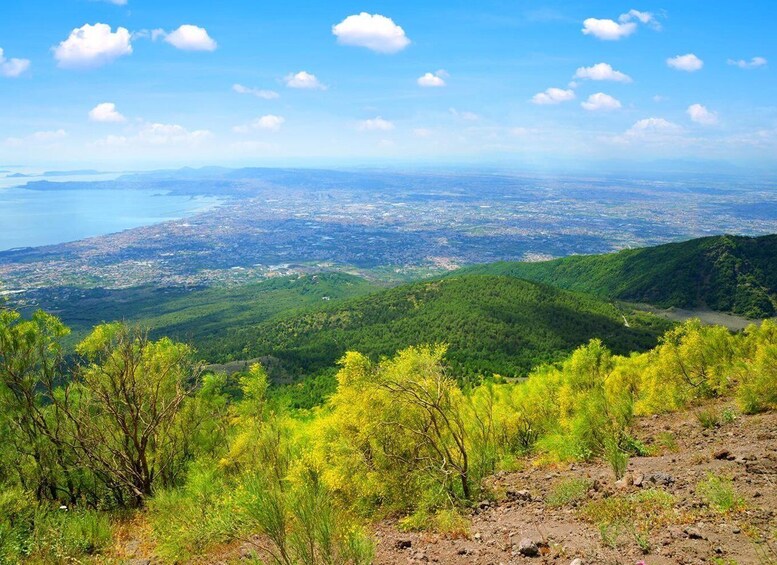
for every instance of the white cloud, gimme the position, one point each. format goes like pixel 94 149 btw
pixel 92 46
pixel 375 124
pixel 464 115
pixel 269 122
pixel 650 130
pixel 754 63
pixel 189 38
pixel 12 68
pixel 646 18
pixel 37 138
pixel 431 80
pixel 602 71
pixel 372 31
pixel 106 113
pixel 161 134
pixel 701 115
pixel 553 96
pixel 259 93
pixel 116 2
pixel 610 30
pixel 689 63
pixel 303 79
pixel 157 134
pixel 601 101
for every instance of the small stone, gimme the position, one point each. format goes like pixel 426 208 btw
pixel 694 533
pixel 639 478
pixel 577 561
pixel 477 536
pixel 659 478
pixel 737 530
pixel 721 454
pixel 403 544
pixel 528 548
pixel 518 495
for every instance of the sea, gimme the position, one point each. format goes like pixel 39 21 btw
pixel 31 218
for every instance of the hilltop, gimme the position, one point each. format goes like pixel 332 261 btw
pixel 492 324
pixel 723 273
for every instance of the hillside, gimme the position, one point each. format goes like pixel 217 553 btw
pixel 492 324
pixel 196 316
pixel 723 273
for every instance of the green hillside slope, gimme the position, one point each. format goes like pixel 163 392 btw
pixel 197 316
pixel 723 273
pixel 492 324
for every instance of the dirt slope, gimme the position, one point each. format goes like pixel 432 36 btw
pixel 684 528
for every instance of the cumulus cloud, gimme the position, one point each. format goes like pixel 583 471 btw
pixel 92 46
pixel 259 93
pixel 269 122
pixel 431 80
pixel 646 18
pixel 701 115
pixel 157 134
pixel 650 130
pixel 303 79
pixel 601 101
pixel 38 138
pixel 602 71
pixel 12 68
pixel 553 96
pixel 106 113
pixel 610 30
pixel 689 63
pixel 754 63
pixel 373 31
pixel 188 38
pixel 375 124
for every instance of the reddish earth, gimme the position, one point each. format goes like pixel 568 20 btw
pixel 744 450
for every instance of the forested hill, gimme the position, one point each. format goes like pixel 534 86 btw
pixel 492 324
pixel 723 273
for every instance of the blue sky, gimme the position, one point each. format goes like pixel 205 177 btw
pixel 392 82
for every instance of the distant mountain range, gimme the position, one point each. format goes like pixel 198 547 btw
pixel 722 273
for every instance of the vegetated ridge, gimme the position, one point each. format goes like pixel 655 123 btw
pixel 492 324
pixel 723 273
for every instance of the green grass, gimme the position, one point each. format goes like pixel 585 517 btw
pixel 708 418
pixel 634 517
pixel 568 491
pixel 719 494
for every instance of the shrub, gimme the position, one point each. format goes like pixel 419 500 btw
pixel 758 387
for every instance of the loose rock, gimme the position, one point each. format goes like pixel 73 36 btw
pixel 528 548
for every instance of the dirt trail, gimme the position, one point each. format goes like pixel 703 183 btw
pixel 687 531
